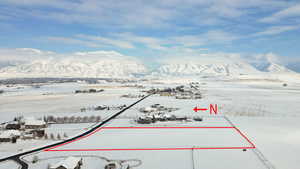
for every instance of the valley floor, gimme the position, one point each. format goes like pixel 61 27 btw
pixel 266 112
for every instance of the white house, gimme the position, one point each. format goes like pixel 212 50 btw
pixel 9 135
pixel 68 163
pixel 33 123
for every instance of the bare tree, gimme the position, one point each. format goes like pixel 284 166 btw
pixel 72 119
pixel 78 119
pixel 65 119
pixel 58 137
pixel 85 119
pixel 98 118
pixel 92 119
pixel 46 136
pixel 52 136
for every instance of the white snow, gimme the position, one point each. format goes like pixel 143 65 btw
pixel 33 121
pixel 68 163
pixel 9 133
pixel 264 110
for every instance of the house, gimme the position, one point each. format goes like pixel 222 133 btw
pixel 183 97
pixel 197 96
pixel 198 118
pixel 14 125
pixel 27 136
pixel 38 132
pixel 112 165
pixel 68 163
pixel 32 123
pixel 147 109
pixel 10 136
pixel 145 120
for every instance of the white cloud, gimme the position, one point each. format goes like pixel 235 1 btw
pixel 74 41
pixel 263 59
pixel 292 11
pixel 148 42
pixel 63 4
pixel 107 41
pixel 212 58
pixel 140 13
pixel 24 55
pixel 162 45
pixel 219 36
pixel 277 30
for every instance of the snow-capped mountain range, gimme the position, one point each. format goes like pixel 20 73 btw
pixel 75 68
pixel 103 64
pixel 96 64
pixel 226 69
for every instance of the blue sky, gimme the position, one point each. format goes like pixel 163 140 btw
pixel 152 29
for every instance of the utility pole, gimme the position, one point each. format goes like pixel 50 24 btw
pixel 193 161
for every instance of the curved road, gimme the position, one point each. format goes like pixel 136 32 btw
pixel 24 165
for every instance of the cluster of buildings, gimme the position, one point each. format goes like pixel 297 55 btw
pixel 89 91
pixel 155 117
pixel 24 128
pixel 179 92
pixel 157 108
pixel 103 107
pixel 133 95
pixel 134 86
pixel 72 162
pixel 157 112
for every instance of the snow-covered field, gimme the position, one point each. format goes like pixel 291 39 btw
pixel 265 111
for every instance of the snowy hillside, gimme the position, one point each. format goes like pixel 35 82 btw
pixel 81 65
pixel 276 68
pixel 110 64
pixel 208 68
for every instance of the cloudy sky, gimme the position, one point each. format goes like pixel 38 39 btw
pixel 150 29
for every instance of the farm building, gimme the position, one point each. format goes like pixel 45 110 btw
pixel 32 123
pixel 68 163
pixel 9 136
pixel 115 165
pixel 14 125
pixel 147 109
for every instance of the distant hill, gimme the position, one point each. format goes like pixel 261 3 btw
pixel 110 64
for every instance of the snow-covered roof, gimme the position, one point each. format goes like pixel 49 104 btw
pixel 13 122
pixel 33 121
pixel 69 163
pixel 149 109
pixel 9 133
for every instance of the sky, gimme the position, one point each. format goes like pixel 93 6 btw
pixel 154 29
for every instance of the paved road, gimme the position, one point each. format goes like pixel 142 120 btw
pixel 24 165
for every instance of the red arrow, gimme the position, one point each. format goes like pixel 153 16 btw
pixel 196 109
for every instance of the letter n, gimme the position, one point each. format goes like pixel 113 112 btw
pixel 213 108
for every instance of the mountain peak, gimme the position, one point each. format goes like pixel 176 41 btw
pixel 277 68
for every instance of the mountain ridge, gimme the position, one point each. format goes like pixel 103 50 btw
pixel 113 65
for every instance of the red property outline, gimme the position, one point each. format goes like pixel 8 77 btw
pixel 135 149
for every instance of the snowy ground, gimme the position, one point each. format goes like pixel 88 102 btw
pixel 265 111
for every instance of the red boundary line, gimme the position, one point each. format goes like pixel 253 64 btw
pixel 136 149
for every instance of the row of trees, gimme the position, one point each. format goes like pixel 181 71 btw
pixel 55 137
pixel 72 119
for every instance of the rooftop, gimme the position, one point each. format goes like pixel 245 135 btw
pixel 69 163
